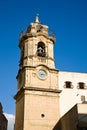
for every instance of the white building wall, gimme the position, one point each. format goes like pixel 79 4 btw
pixel 71 96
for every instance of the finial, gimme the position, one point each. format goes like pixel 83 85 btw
pixel 37 19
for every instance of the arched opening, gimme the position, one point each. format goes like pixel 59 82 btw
pixel 22 56
pixel 41 49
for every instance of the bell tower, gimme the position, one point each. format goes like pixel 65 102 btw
pixel 37 97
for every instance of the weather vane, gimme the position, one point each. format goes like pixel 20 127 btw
pixel 37 14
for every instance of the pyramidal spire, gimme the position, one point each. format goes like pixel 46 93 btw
pixel 37 19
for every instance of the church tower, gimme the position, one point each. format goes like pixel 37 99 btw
pixel 37 97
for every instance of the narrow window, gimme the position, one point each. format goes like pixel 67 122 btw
pixel 68 84
pixel 81 85
pixel 41 49
pixel 22 56
pixel 83 99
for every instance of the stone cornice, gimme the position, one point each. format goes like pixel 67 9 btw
pixel 24 67
pixel 30 35
pixel 36 89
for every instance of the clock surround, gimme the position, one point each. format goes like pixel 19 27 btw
pixel 42 74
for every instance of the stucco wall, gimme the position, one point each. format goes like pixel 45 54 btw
pixel 71 96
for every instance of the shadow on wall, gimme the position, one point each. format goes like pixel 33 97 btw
pixel 69 121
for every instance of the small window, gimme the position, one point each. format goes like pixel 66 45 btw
pixel 83 98
pixel 68 84
pixel 81 85
pixel 42 115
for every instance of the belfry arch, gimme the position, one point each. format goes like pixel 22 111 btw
pixel 41 51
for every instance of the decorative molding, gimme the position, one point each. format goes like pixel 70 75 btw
pixel 35 89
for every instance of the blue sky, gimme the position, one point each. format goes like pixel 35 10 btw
pixel 66 18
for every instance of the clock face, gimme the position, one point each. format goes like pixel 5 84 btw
pixel 42 74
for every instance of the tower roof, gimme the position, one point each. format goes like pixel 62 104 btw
pixel 35 29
